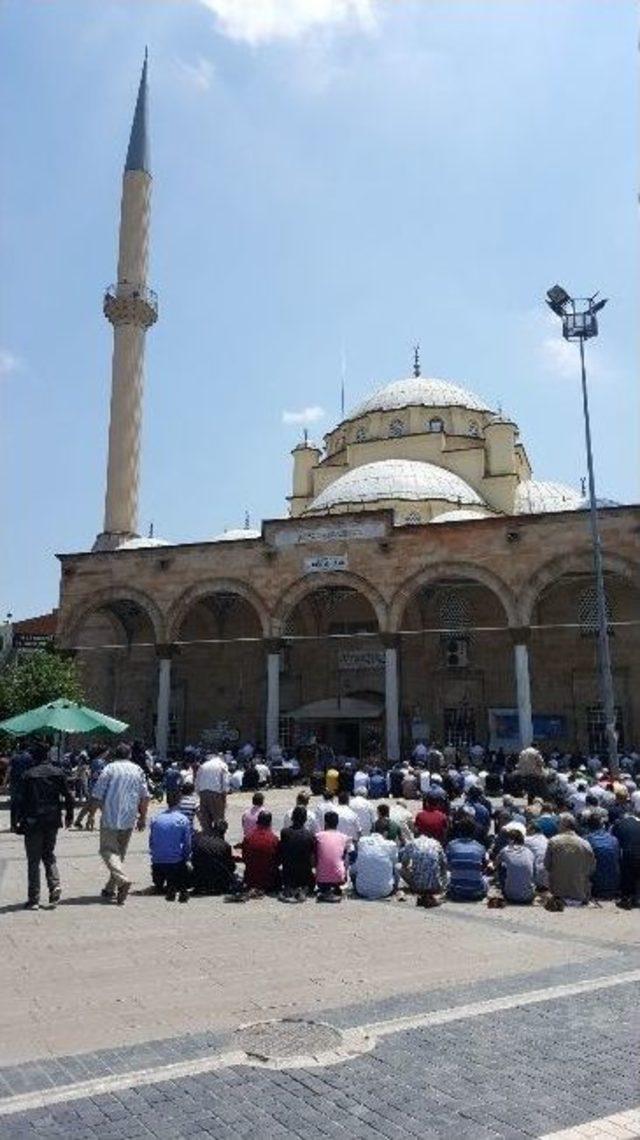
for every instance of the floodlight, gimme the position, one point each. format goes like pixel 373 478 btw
pixel 557 298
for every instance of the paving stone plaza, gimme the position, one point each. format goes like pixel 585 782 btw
pixel 390 1020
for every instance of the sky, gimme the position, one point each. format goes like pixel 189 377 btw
pixel 334 180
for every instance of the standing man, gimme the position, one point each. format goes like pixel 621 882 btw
pixel 212 785
pixel 122 794
pixel 43 791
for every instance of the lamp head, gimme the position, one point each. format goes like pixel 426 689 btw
pixel 557 298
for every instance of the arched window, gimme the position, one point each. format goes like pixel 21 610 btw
pixel 435 424
pixel 588 612
pixel 474 428
pixel 455 613
pixel 396 428
pixel 455 619
pixel 360 435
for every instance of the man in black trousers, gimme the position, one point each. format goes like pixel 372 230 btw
pixel 44 790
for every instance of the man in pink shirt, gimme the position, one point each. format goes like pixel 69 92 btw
pixel 331 851
pixel 250 816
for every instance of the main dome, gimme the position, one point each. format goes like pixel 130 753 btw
pixel 395 479
pixel 419 391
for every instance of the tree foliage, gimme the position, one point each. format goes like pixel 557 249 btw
pixel 34 680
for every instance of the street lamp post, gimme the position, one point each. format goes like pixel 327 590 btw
pixel 579 322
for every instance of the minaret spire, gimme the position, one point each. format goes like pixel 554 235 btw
pixel 416 360
pixel 131 307
pixel 138 152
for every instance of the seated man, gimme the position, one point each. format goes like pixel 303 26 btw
pixel 261 855
pixel 374 871
pixel 250 815
pixel 387 826
pixel 605 883
pixel 570 863
pixel 170 850
pixel 214 867
pixel 377 785
pixel 424 869
pixel 348 822
pixel 359 803
pixel 302 800
pixel 432 820
pixel 467 861
pixel 297 852
pixel 331 851
pixel 515 864
pixel 188 803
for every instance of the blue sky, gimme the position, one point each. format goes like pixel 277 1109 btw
pixel 329 175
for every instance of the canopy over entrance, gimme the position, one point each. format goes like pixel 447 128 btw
pixel 347 708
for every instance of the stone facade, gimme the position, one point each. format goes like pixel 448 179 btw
pixel 333 597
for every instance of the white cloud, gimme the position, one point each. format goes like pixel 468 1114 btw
pixel 305 416
pixel 259 21
pixel 199 74
pixel 8 363
pixel 559 356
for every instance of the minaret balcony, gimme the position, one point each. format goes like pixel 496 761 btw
pixel 126 304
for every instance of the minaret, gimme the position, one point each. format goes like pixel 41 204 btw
pixel 131 308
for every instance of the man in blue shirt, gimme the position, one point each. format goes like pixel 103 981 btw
pixel 605 881
pixel 466 859
pixel 170 850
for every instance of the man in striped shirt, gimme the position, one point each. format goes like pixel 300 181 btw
pixel 467 862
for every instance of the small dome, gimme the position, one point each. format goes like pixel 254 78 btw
pixel 538 497
pixel 420 391
pixel 462 516
pixel 395 479
pixel 235 535
pixel 143 543
pixel 585 503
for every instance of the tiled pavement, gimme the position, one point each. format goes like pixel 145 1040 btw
pixel 143 977
pixel 523 1072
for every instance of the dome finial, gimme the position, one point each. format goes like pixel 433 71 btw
pixel 416 360
pixel 247 521
pixel 151 530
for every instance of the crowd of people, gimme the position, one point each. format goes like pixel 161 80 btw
pixel 556 830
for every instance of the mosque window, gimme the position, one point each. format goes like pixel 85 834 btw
pixel 396 428
pixel 474 428
pixel 455 620
pixel 435 424
pixel 588 612
pixel 361 435
pixel 413 518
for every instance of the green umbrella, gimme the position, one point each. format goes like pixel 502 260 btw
pixel 62 716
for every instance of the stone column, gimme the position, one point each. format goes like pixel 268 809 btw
pixel 391 697
pixel 521 638
pixel 272 735
pixel 164 654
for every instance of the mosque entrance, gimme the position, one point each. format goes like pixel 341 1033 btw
pixel 350 726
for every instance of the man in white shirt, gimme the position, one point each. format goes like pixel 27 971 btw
pixel 364 811
pixel 374 871
pixel 360 781
pixel 264 773
pixel 311 823
pixel 348 822
pixel 212 785
pixel 400 814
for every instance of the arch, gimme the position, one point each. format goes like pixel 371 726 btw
pixel 569 563
pixel 439 570
pixel 102 600
pixel 200 590
pixel 302 587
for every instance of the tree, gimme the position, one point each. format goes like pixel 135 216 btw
pixel 37 679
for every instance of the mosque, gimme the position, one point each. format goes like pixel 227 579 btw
pixel 423 584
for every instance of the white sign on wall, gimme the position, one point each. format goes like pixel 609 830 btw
pixel 334 532
pixel 326 562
